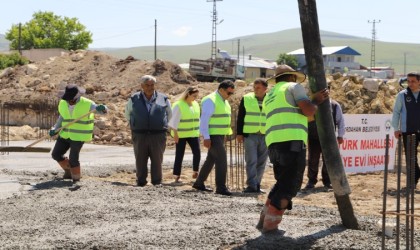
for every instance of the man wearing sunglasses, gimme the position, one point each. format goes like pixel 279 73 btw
pixel 214 126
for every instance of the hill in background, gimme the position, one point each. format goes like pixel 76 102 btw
pixel 270 45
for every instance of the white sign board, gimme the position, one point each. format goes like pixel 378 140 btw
pixel 364 144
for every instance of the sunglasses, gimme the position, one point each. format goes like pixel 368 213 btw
pixel 230 93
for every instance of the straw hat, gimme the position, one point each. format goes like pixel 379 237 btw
pixel 284 69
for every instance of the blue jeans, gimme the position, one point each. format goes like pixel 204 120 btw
pixel 256 155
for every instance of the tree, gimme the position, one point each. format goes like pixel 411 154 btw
pixel 288 59
pixel 46 30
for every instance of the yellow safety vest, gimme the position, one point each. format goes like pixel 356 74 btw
pixel 284 121
pixel 219 123
pixel 254 120
pixel 81 130
pixel 189 125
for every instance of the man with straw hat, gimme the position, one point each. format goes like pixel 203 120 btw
pixel 286 107
pixel 74 132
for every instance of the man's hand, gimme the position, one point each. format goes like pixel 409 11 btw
pixel 240 138
pixel 176 138
pixel 397 134
pixel 52 132
pixel 340 140
pixel 320 96
pixel 207 143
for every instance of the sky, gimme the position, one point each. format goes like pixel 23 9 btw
pixel 131 23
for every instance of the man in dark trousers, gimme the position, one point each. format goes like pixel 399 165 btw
pixel 214 126
pixel 405 117
pixel 73 135
pixel 148 112
pixel 315 150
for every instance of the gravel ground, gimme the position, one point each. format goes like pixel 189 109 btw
pixel 101 213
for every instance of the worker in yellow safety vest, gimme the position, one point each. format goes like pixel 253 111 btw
pixel 287 107
pixel 250 130
pixel 73 132
pixel 214 126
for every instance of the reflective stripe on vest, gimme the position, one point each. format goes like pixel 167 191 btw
pixel 81 130
pixel 219 123
pixel 189 125
pixel 254 120
pixel 284 121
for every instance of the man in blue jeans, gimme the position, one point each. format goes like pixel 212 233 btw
pixel 251 130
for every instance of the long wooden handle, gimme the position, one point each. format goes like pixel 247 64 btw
pixel 59 129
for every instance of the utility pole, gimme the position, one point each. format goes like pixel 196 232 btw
pixel 213 35
pixel 20 39
pixel 372 49
pixel 155 39
pixel 324 120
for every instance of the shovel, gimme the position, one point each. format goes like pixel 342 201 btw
pixel 32 149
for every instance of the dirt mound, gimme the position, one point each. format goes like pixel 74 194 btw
pixel 111 81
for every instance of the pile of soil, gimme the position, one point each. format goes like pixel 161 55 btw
pixel 111 81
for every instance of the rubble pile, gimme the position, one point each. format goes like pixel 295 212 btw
pixel 111 81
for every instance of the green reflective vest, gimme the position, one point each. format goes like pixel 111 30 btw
pixel 254 120
pixel 219 123
pixel 189 125
pixel 81 130
pixel 284 121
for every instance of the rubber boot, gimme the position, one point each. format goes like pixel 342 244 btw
pixel 65 165
pixel 75 174
pixel 259 226
pixel 272 219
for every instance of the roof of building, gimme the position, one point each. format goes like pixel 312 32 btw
pixel 336 50
pixel 250 61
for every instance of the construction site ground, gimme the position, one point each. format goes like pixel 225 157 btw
pixel 107 211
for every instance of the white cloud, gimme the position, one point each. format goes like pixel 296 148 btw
pixel 182 31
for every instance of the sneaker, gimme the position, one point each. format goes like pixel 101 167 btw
pixel 328 186
pixel 309 185
pixel 177 179
pixel 250 189
pixel 202 188
pixel 141 184
pixel 224 191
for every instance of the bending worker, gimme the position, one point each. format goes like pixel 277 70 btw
pixel 71 107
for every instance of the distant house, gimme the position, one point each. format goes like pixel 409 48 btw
pixel 256 67
pixel 336 59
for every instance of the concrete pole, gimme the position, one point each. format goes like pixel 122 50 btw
pixel 324 120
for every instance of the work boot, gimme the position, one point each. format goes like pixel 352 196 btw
pixel 75 174
pixel 259 226
pixel 65 165
pixel 272 219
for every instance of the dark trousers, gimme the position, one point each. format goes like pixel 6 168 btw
pixel 194 143
pixel 62 146
pixel 149 146
pixel 416 163
pixel 215 156
pixel 315 152
pixel 289 166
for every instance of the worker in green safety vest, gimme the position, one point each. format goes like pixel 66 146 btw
pixel 74 132
pixel 287 108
